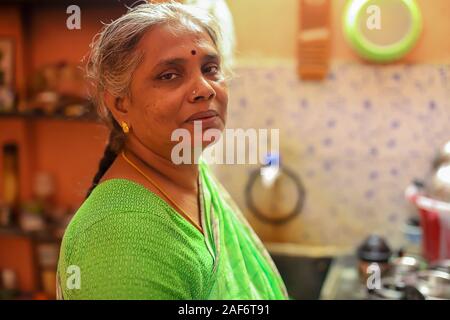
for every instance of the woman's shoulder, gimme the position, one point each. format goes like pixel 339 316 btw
pixel 123 206
pixel 121 201
pixel 130 240
pixel 118 196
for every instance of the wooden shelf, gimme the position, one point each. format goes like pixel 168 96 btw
pixel 39 236
pixel 69 2
pixel 36 116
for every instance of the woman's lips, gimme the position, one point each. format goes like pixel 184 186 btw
pixel 203 116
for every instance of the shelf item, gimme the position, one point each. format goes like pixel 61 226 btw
pixel 48 279
pixel 7 95
pixel 42 116
pixel 10 157
pixel 314 39
pixel 382 30
pixel 70 2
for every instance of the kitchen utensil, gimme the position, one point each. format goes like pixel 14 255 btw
pixel 314 39
pixel 389 290
pixel 433 284
pixel 442 265
pixel 435 222
pixel 411 293
pixel 403 269
pixel 374 250
pixel 407 263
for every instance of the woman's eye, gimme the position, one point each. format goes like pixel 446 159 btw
pixel 212 69
pixel 168 76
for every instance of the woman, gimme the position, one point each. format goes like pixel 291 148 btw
pixel 151 229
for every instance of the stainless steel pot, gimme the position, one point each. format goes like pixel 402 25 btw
pixel 389 290
pixel 433 284
pixel 407 264
pixel 442 265
pixel 403 269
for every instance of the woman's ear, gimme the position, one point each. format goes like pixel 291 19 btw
pixel 118 106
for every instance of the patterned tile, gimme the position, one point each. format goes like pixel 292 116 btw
pixel 356 140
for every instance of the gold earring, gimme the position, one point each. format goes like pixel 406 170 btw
pixel 125 127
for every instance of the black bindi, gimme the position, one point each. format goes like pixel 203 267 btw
pixel 193 52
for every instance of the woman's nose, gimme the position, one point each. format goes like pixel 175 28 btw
pixel 202 91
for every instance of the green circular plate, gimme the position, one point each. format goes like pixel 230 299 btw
pixel 356 10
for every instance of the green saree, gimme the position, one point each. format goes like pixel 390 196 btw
pixel 243 267
pixel 127 243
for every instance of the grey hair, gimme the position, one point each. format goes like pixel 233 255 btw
pixel 114 56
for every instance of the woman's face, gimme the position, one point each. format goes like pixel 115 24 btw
pixel 179 77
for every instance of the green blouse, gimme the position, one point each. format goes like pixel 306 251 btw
pixel 125 242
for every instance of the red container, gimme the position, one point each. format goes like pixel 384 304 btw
pixel 435 223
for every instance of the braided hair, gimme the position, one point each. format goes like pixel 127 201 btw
pixel 115 144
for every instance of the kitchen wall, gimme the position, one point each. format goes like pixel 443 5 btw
pixel 357 139
pixel 268 30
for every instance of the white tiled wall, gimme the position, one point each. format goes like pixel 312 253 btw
pixel 356 140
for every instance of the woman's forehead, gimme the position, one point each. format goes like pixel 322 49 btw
pixel 162 43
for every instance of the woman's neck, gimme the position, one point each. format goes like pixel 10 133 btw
pixel 183 176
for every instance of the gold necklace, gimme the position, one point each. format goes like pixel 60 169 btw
pixel 183 213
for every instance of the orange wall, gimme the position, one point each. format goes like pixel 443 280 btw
pixel 68 150
pixel 268 29
pixel 16 253
pixel 52 41
pixel 71 150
